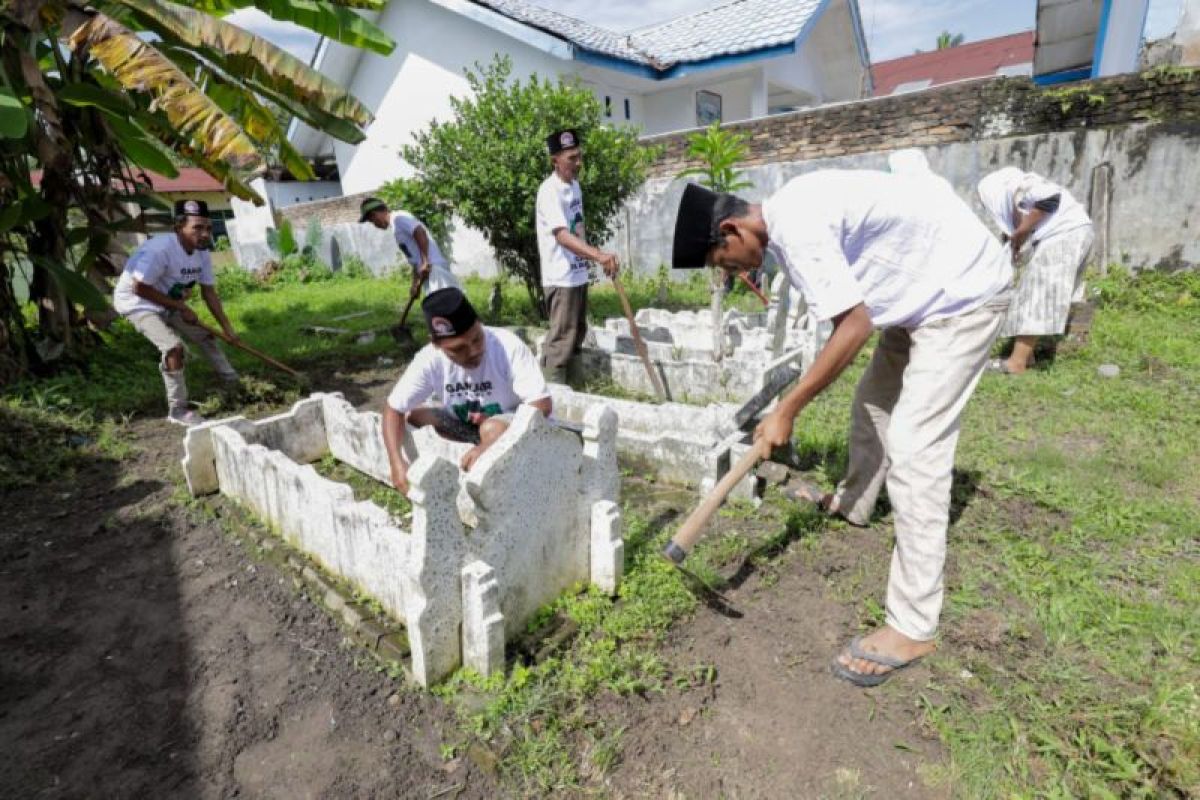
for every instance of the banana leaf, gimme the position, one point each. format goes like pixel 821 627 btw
pixel 14 119
pixel 140 67
pixel 223 7
pixel 86 94
pixel 139 149
pixel 77 288
pixel 253 58
pixel 258 121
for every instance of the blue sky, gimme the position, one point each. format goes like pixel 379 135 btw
pixel 894 27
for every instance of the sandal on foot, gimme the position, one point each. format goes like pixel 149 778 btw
pixel 1000 366
pixel 863 679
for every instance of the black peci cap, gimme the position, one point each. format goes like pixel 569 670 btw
pixel 693 227
pixel 563 140
pixel 191 208
pixel 448 313
pixel 369 205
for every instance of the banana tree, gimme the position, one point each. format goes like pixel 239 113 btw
pixel 94 95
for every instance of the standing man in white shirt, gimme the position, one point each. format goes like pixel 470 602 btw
pixel 152 294
pixel 905 255
pixel 480 375
pixel 565 253
pixel 431 269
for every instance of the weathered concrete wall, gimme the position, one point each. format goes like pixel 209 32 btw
pixel 1147 128
pixel 461 585
pixel 1154 207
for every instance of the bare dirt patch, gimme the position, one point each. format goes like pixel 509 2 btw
pixel 148 653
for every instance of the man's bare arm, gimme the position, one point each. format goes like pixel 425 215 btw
pixel 393 440
pixel 580 247
pixel 148 292
pixel 213 301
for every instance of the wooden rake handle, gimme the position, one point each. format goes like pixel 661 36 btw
pixel 239 344
pixel 689 532
pixel 638 344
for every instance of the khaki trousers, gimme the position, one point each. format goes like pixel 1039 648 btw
pixel 167 330
pixel 568 327
pixel 904 429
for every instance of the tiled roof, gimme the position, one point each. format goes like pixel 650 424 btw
pixel 739 26
pixel 973 60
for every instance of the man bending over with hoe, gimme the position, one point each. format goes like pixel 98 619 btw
pixel 873 250
pixel 481 374
pixel 152 294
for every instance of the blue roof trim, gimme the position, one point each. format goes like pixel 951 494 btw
pixel 688 68
pixel 1101 35
pixel 1065 76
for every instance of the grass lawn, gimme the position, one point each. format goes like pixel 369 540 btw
pixel 1071 657
pixel 122 377
pixel 1077 554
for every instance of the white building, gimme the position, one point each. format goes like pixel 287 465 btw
pixel 740 59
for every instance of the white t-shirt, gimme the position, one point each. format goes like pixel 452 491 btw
pixel 404 228
pixel 161 262
pixel 507 376
pixel 907 248
pixel 559 205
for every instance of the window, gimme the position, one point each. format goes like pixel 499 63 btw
pixel 708 107
pixel 607 106
pixel 627 115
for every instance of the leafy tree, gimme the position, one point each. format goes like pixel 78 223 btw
pixel 718 152
pixel 94 94
pixel 946 40
pixel 488 161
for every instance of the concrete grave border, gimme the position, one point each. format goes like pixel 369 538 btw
pixel 484 550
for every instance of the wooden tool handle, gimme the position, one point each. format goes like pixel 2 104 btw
pixel 638 344
pixel 754 289
pixel 689 532
pixel 412 299
pixel 239 344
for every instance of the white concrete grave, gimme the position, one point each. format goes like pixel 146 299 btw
pixel 679 443
pixel 536 515
pixel 681 346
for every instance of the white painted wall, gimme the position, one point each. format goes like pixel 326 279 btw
pixel 674 109
pixel 413 86
pixel 288 193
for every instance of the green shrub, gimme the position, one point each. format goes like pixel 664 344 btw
pixel 1148 290
pixel 488 161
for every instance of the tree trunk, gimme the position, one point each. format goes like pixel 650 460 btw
pixel 12 340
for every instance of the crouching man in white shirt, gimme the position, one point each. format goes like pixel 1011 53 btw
pixel 152 294
pixel 480 375
pixel 872 250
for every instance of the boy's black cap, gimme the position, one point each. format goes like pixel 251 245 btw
pixel 563 140
pixel 369 205
pixel 191 208
pixel 448 313
pixel 693 227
